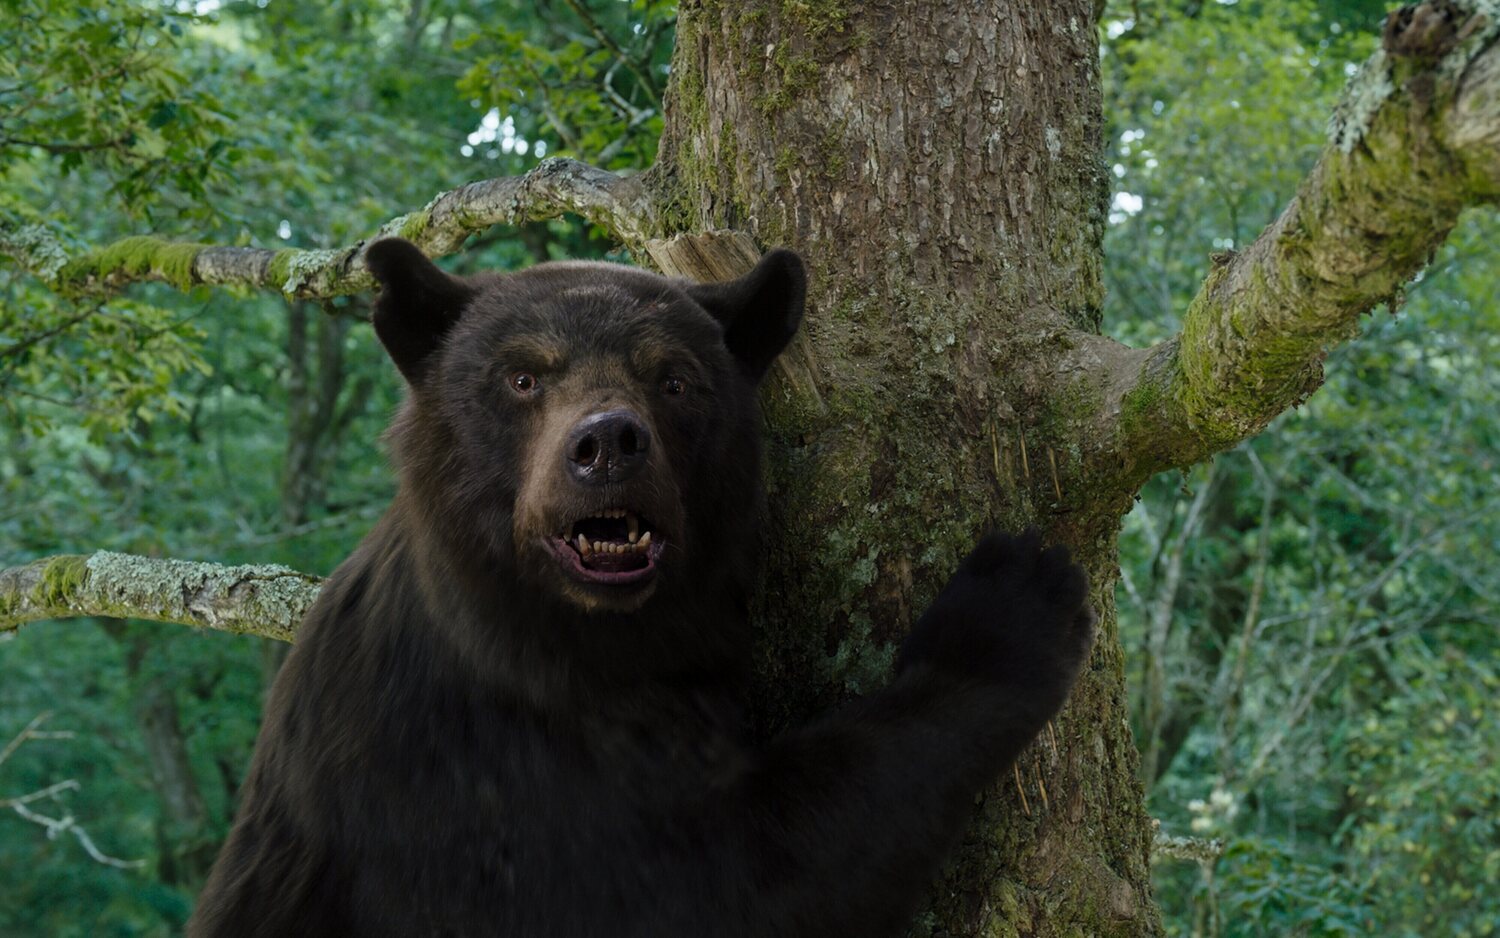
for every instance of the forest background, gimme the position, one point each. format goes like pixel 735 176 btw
pixel 1310 618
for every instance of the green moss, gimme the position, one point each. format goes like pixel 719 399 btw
pixel 832 151
pixel 413 225
pixel 798 73
pixel 817 17
pixel 689 97
pixel 135 257
pixel 175 263
pixel 1140 409
pixel 279 270
pixel 1196 390
pixel 1005 900
pixel 729 147
pixel 677 194
pixel 786 160
pixel 61 578
pixel 860 664
pixel 792 410
pixel 1068 407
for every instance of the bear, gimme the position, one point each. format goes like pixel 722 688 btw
pixel 518 708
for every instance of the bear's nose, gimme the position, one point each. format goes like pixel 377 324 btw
pixel 607 447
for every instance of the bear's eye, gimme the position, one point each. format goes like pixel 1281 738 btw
pixel 523 382
pixel 673 386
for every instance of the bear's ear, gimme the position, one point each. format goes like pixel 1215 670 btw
pixel 760 312
pixel 418 303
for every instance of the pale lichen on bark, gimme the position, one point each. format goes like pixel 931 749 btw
pixel 1463 30
pixel 257 599
pixel 1198 849
pixel 1362 98
pixel 320 272
pixel 40 245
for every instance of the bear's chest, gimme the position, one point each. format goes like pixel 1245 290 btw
pixel 529 824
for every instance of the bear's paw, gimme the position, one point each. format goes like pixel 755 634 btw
pixel 1015 613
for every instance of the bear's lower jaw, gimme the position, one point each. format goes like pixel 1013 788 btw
pixel 632 569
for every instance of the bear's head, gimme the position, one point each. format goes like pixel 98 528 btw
pixel 587 429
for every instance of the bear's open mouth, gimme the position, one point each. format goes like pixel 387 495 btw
pixel 616 547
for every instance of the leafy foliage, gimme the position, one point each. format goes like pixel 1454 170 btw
pixel 1424 790
pixel 210 425
pixel 1310 618
pixel 600 96
pixel 105 78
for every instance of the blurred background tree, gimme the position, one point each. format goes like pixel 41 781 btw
pixel 1311 617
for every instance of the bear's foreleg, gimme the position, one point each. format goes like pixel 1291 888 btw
pixel 853 814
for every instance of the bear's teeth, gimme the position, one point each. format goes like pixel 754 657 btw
pixel 639 543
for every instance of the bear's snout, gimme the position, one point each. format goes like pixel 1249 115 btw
pixel 608 447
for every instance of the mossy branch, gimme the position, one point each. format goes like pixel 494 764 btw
pixel 1197 849
pixel 261 599
pixel 1414 141
pixel 620 204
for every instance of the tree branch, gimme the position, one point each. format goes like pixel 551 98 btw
pixel 619 204
pixel 262 599
pixel 1414 140
pixel 1165 846
pixel 57 148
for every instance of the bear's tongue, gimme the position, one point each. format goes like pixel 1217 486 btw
pixel 612 542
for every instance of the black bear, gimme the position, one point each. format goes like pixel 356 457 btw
pixel 516 709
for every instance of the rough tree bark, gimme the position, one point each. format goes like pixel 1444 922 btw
pixel 939 164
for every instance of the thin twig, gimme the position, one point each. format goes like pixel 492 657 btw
pixel 39 794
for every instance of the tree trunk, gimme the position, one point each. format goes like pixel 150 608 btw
pixel 939 167
pixel 185 851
